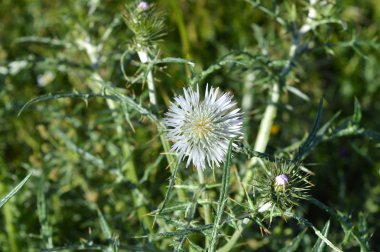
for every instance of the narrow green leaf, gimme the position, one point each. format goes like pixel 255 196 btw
pixel 104 226
pixel 115 96
pixel 328 21
pixel 174 60
pixel 14 190
pixel 170 188
pixel 113 247
pixel 298 93
pixel 223 196
pixel 316 231
pixel 325 240
pixel 320 244
pixel 252 153
pixel 310 139
pixel 346 225
pixel 44 40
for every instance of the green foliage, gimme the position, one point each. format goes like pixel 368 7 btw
pixel 77 111
pixel 7 197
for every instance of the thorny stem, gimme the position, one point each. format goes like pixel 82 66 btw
pixel 264 130
pixel 248 99
pixel 270 114
pixel 206 206
pixel 144 58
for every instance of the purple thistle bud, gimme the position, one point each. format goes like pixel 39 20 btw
pixel 143 6
pixel 281 180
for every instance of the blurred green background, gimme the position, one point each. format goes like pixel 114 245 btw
pixel 74 146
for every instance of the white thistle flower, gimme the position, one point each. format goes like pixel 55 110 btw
pixel 202 129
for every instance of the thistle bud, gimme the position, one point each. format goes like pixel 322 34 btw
pixel 142 6
pixel 282 185
pixel 281 180
pixel 146 21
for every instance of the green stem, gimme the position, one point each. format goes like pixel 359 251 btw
pixel 206 206
pixel 144 58
pixel 264 130
pixel 247 101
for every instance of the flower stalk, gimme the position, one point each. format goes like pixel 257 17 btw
pixel 144 58
pixel 206 206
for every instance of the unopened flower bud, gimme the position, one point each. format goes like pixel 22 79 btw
pixel 281 180
pixel 143 6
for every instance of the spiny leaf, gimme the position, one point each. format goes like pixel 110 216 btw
pixel 316 231
pixel 173 60
pixel 310 139
pixel 115 96
pixel 298 93
pixel 347 226
pixel 320 244
pixel 171 184
pixel 252 153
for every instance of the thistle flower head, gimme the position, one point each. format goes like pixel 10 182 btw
pixel 202 129
pixel 146 21
pixel 282 185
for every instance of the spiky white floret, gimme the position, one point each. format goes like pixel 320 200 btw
pixel 202 129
